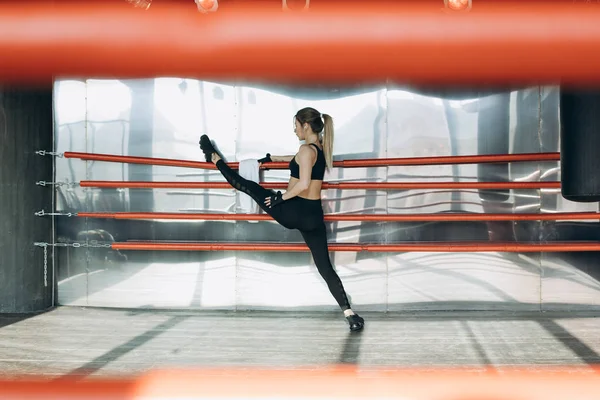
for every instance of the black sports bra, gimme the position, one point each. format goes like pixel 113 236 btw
pixel 318 170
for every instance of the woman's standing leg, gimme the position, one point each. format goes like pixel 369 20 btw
pixel 316 241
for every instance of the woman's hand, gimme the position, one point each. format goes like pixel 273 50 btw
pixel 274 199
pixel 265 159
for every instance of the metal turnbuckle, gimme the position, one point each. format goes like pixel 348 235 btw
pixel 45 183
pixel 42 213
pixel 49 153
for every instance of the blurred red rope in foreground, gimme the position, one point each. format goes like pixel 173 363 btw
pixel 496 43
pixel 526 382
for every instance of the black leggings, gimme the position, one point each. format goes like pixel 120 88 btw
pixel 296 213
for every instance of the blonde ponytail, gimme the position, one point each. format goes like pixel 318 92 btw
pixel 328 140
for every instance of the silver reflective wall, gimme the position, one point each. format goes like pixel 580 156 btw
pixel 165 117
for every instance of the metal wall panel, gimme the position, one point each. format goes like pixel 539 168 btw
pixel 425 126
pixel 165 117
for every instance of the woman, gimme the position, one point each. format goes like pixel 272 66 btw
pixel 300 206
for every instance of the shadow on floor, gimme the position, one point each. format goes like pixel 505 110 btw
pixel 9 319
pixel 99 362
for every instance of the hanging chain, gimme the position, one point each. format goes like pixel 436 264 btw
pixel 44 245
pixel 43 213
pixel 45 266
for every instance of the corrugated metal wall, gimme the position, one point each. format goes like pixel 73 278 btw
pixel 165 117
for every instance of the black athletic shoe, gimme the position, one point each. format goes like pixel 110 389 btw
pixel 356 322
pixel 207 147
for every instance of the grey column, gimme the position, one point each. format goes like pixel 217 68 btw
pixel 26 125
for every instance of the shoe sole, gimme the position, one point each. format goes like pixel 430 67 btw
pixel 204 143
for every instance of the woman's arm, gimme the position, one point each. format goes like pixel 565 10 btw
pixel 282 158
pixel 305 159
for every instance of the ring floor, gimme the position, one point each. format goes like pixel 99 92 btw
pixel 92 342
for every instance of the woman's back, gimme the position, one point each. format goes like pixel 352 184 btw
pixel 313 192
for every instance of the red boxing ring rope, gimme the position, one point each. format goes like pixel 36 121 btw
pixel 505 42
pixel 339 186
pixel 355 247
pixel 372 162
pixel 354 217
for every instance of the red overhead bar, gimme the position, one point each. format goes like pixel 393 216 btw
pixel 339 186
pixel 369 162
pixel 500 43
pixel 355 247
pixel 353 217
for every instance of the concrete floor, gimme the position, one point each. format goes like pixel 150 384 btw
pixel 90 342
